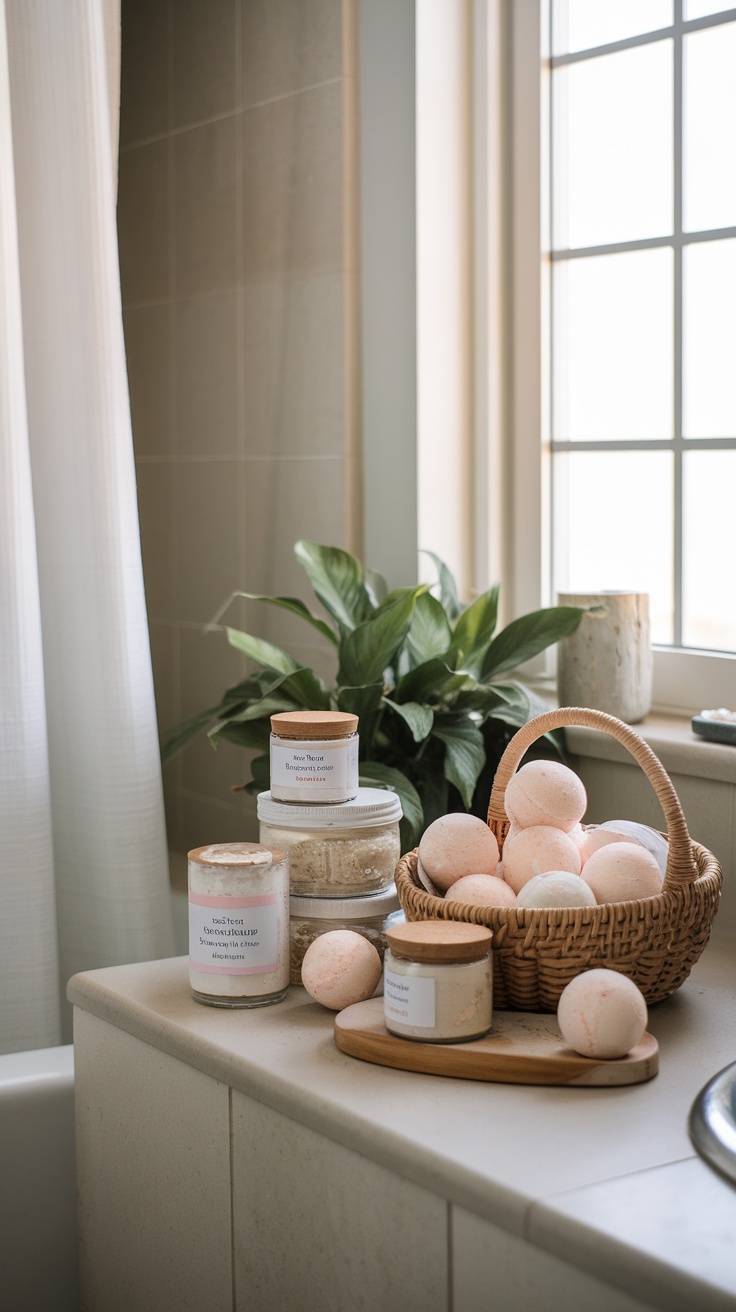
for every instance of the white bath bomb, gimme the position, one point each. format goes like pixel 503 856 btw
pixel 619 872
pixel 339 968
pixel 633 832
pixel 602 1014
pixel 455 845
pixel 534 851
pixel 545 793
pixel 556 888
pixel 482 891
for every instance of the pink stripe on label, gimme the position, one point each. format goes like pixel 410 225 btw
pixel 235 903
pixel 231 970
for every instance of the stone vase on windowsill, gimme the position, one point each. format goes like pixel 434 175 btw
pixel 607 663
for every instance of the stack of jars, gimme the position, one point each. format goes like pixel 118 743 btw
pixel 342 840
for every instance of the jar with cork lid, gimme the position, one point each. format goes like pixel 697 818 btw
pixel 314 757
pixel 438 980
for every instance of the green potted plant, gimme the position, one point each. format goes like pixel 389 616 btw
pixel 429 677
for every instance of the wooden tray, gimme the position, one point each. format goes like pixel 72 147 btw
pixel 522 1048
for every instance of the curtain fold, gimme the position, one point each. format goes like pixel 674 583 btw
pixel 82 798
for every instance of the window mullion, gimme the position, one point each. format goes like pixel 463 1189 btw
pixel 677 371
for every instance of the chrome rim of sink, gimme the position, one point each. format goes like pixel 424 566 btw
pixel 712 1122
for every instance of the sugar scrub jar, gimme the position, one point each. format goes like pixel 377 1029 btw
pixel 438 981
pixel 343 849
pixel 314 757
pixel 371 916
pixel 238 924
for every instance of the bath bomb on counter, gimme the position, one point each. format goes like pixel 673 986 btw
pixel 536 850
pixel 482 891
pixel 556 888
pixel 621 872
pixel 602 1014
pixel 340 968
pixel 545 793
pixel 457 844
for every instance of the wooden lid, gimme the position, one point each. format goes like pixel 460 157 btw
pixel 314 724
pixel 439 940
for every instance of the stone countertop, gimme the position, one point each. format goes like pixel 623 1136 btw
pixel 605 1178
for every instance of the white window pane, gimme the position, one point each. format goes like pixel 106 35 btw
pixel 709 339
pixel 582 24
pixel 709 550
pixel 612 347
pixel 613 516
pixel 613 132
pixel 709 170
pixel 699 9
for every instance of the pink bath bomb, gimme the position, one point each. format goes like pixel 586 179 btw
pixel 633 832
pixel 602 1014
pixel 545 793
pixel 534 851
pixel 593 839
pixel 620 872
pixel 556 888
pixel 340 968
pixel 482 891
pixel 455 845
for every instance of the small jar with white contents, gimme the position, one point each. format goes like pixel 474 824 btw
pixel 238 924
pixel 438 981
pixel 314 757
pixel 341 850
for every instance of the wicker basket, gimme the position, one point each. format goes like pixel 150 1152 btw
pixel 655 940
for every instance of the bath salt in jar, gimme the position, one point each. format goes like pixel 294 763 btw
pixel 314 757
pixel 238 924
pixel 342 849
pixel 437 981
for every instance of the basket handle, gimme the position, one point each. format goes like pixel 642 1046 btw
pixel 681 866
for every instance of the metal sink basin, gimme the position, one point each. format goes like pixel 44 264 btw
pixel 712 1123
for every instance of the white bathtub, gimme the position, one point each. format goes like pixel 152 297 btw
pixel 38 1220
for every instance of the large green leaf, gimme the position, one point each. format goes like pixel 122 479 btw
pixel 250 733
pixel 418 718
pixel 447 586
pixel 260 768
pixel 338 581
pixel 527 636
pixel 365 653
pixel 474 630
pixel 430 682
pixel 362 701
pixel 373 774
pixel 263 652
pixel 296 607
pixel 433 789
pixel 430 633
pixel 376 586
pixel 465 752
pixel 181 734
pixel 507 702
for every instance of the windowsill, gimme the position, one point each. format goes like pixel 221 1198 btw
pixel 671 738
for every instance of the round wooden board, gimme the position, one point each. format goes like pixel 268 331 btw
pixel 522 1048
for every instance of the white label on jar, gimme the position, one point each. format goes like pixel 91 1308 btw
pixel 233 935
pixel 409 1000
pixel 322 767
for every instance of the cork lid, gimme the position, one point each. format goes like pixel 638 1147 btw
pixel 439 940
pixel 314 724
pixel 241 855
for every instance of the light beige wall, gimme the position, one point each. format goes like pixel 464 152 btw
pixel 237 225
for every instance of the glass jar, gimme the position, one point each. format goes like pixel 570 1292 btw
pixel 238 924
pixel 371 916
pixel 438 981
pixel 314 757
pixel 343 850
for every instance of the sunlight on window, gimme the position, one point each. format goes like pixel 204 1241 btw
pixel 709 339
pixel 582 24
pixel 709 526
pixel 709 61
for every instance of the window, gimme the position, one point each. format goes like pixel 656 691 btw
pixel 624 156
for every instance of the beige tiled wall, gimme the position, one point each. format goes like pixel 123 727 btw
pixel 237 228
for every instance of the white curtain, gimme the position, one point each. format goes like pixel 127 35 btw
pixel 83 864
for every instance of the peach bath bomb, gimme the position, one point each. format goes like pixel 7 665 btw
pixel 339 968
pixel 633 832
pixel 602 1014
pixel 593 839
pixel 536 850
pixel 622 871
pixel 455 845
pixel 545 793
pixel 482 891
pixel 556 888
